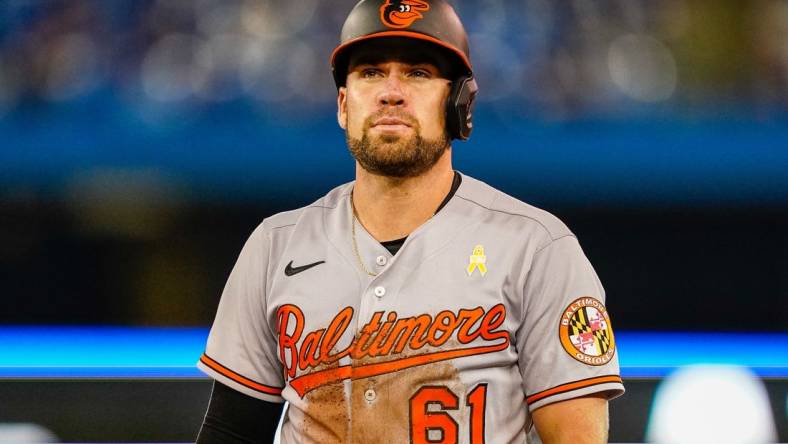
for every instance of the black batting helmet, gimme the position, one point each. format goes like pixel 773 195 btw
pixel 433 22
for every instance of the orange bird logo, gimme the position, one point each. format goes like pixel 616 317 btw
pixel 400 14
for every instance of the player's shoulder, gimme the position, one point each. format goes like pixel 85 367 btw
pixel 288 219
pixel 502 205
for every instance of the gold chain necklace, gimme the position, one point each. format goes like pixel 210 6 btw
pixel 353 237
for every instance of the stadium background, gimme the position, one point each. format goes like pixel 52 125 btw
pixel 142 141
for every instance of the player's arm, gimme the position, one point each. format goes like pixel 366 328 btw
pixel 241 354
pixel 567 387
pixel 234 417
pixel 575 421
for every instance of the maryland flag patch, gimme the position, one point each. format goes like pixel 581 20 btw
pixel 586 333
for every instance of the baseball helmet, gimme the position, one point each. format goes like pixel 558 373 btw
pixel 433 22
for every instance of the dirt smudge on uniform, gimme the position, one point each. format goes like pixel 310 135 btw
pixel 326 417
pixel 381 405
pixel 378 407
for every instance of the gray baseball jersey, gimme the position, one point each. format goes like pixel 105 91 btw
pixel 488 311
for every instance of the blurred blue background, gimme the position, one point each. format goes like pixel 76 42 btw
pixel 141 141
pixel 674 102
pixel 631 102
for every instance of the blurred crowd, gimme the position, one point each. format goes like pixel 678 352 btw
pixel 554 59
pixel 139 145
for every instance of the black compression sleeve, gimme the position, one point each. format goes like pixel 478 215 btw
pixel 234 417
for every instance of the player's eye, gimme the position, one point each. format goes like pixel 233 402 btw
pixel 370 73
pixel 420 73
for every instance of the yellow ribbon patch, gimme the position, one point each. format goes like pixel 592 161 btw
pixel 478 260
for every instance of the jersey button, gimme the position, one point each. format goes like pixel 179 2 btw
pixel 381 260
pixel 380 291
pixel 370 395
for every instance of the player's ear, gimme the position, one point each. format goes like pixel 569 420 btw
pixel 342 107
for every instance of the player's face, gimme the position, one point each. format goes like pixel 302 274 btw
pixel 393 112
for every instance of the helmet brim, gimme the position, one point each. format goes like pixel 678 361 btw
pixel 387 34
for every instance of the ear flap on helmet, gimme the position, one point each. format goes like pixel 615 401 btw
pixel 459 107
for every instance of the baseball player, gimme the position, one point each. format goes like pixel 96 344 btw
pixel 415 304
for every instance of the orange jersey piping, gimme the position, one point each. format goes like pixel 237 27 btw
pixel 246 382
pixel 575 385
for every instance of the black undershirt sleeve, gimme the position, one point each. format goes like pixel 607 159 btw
pixel 234 417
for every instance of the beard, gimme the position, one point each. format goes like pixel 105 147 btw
pixel 394 155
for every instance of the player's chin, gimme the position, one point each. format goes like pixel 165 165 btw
pixel 389 139
pixel 388 143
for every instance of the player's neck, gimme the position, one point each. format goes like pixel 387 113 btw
pixel 391 208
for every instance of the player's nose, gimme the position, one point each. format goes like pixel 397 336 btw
pixel 392 92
